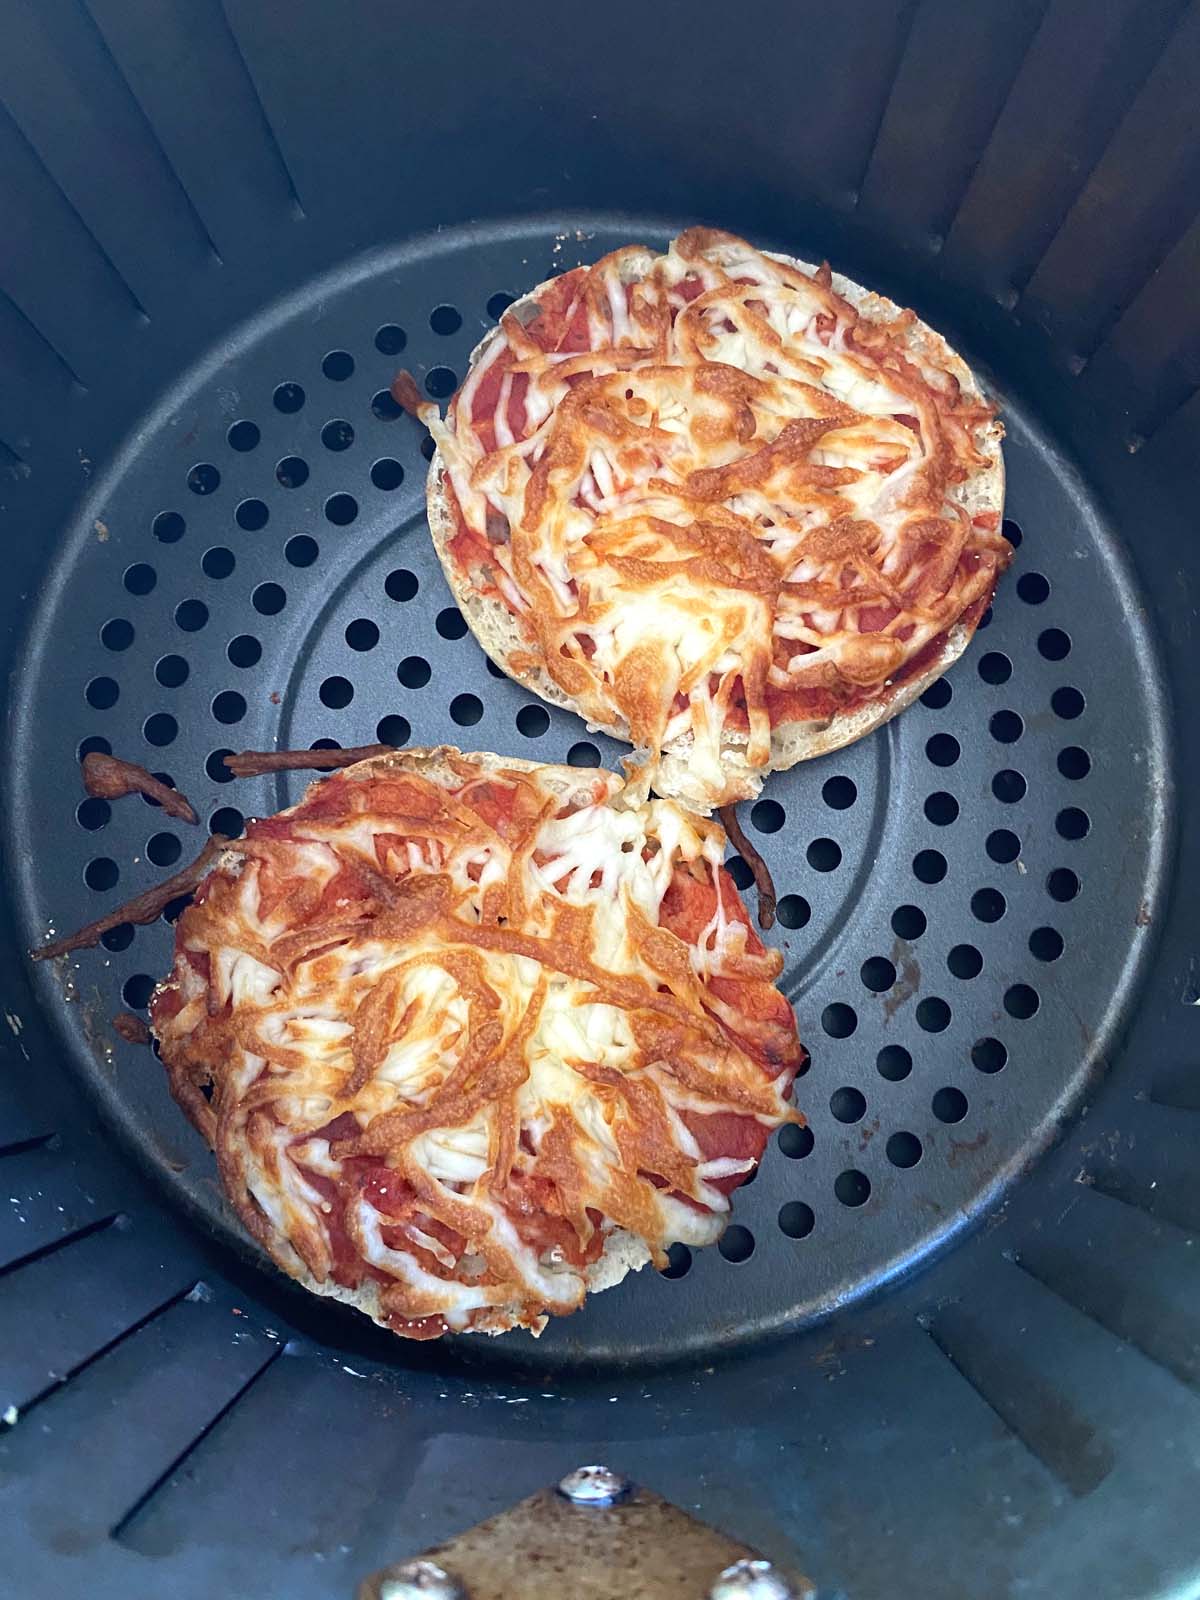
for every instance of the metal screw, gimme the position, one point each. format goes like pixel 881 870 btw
pixel 419 1580
pixel 594 1486
pixel 751 1580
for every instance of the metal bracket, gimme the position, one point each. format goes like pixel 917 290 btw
pixel 595 1536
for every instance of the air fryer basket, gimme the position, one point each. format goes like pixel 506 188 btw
pixel 951 1344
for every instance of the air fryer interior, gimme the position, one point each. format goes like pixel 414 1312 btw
pixel 949 1344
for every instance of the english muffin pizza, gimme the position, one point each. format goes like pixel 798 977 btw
pixel 729 507
pixel 472 1038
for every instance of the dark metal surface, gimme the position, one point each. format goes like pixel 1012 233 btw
pixel 1022 1416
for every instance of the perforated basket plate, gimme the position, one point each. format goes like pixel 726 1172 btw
pixel 964 895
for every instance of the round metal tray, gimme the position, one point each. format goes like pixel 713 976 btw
pixel 963 896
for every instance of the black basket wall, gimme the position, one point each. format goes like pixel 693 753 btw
pixel 951 1345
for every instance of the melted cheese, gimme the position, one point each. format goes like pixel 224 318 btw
pixel 496 1035
pixel 740 505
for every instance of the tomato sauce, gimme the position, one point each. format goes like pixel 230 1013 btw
pixel 725 1134
pixel 494 803
pixel 535 1208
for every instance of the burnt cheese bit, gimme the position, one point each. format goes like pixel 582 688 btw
pixel 134 1030
pixel 253 763
pixel 763 881
pixel 406 394
pixel 109 778
pixel 142 909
